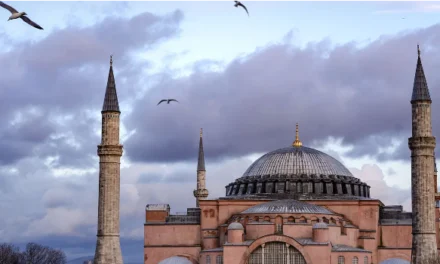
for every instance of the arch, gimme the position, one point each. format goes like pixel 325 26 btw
pixel 332 220
pixel 291 219
pixel 266 218
pixel 314 220
pixel 274 238
pixel 256 219
pixel 302 219
pixel 325 220
pixel 279 224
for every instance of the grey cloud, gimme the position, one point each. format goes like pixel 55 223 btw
pixel 389 195
pixel 65 73
pixel 346 91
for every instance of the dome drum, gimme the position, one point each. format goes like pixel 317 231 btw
pixel 299 187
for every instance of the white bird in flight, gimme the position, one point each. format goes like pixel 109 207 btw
pixel 22 15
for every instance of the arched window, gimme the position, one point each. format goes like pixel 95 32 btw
pixel 341 260
pixel 276 253
pixel 365 260
pixel 208 259
pixel 219 259
pixel 355 260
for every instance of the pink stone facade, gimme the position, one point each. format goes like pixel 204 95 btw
pixel 353 234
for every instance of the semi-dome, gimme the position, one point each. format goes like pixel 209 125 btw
pixel 175 260
pixel 288 206
pixel 297 172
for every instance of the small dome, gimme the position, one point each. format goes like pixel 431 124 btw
pixel 175 260
pixel 235 226
pixel 395 261
pixel 320 225
pixel 287 206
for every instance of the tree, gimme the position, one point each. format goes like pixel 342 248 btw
pixel 38 254
pixel 10 254
pixel 33 254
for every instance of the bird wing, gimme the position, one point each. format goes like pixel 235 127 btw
pixel 240 4
pixel 161 101
pixel 10 8
pixel 30 22
pixel 173 100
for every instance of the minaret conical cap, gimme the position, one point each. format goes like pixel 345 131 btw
pixel 420 88
pixel 111 103
pixel 201 161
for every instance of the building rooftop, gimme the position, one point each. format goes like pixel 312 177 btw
pixel 395 261
pixel 286 207
pixel 176 260
pixel 297 160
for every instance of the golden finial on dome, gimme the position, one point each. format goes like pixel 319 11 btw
pixel 297 143
pixel 201 132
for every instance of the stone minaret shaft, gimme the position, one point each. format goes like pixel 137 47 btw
pixel 422 144
pixel 201 192
pixel 108 248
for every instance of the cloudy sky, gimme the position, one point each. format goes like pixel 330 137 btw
pixel 343 70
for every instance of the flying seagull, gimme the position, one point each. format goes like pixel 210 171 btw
pixel 22 15
pixel 167 100
pixel 238 3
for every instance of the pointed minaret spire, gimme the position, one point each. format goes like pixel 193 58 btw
pixel 297 143
pixel 111 103
pixel 201 192
pixel 420 88
pixel 201 161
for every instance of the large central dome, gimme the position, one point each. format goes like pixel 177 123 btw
pixel 297 160
pixel 297 172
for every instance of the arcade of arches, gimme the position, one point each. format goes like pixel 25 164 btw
pixel 276 253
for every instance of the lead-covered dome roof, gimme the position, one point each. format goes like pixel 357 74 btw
pixel 288 206
pixel 297 160
pixel 297 172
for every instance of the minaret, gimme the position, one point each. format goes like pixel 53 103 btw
pixel 297 143
pixel 435 176
pixel 422 144
pixel 201 192
pixel 108 248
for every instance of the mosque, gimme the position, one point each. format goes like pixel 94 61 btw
pixel 293 205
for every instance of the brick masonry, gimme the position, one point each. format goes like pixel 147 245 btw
pixel 108 249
